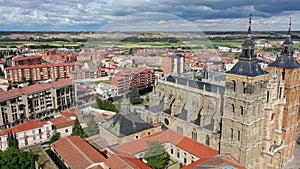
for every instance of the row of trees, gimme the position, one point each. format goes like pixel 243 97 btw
pixel 13 157
pixel 106 105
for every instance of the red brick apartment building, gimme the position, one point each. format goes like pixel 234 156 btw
pixel 39 71
pixel 126 79
pixel 30 60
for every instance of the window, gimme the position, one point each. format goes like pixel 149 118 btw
pixel 232 107
pixel 242 110
pixel 272 116
pixel 184 160
pixel 244 87
pixel 268 96
pixel 280 92
pixel 239 135
pixel 178 155
pixel 67 131
pixel 231 134
pixel 194 134
pixel 171 151
pixel 149 133
pixel 234 85
pixel 136 137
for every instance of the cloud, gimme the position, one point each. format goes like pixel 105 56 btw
pixel 78 14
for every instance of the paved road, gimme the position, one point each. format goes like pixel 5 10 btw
pixel 295 162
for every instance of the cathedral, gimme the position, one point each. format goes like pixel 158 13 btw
pixel 254 117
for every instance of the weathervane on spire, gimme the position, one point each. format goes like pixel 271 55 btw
pixel 290 24
pixel 249 29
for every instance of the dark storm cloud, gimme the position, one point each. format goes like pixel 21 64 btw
pixel 75 13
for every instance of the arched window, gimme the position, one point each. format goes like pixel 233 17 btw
pixel 242 110
pixel 234 85
pixel 207 140
pixel 244 87
pixel 232 108
pixel 272 116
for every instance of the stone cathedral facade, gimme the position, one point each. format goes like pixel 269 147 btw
pixel 254 117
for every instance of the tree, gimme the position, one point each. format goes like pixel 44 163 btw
pixel 135 97
pixel 106 105
pixel 92 126
pixel 55 137
pixel 12 141
pixel 156 156
pixel 77 130
pixel 23 79
pixel 14 158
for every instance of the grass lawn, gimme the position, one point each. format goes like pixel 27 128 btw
pixel 42 158
pixel 142 104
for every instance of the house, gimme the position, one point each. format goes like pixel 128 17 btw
pixel 28 133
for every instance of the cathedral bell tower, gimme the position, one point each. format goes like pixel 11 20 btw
pixel 242 121
pixel 287 70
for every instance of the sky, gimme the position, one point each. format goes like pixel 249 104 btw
pixel 139 15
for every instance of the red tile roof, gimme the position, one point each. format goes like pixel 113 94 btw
pixel 34 88
pixel 40 66
pixel 26 58
pixel 70 113
pixel 185 143
pixel 76 152
pixel 61 122
pixel 29 125
pixel 215 162
pixel 120 162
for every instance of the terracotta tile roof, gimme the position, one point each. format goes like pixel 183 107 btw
pixel 185 143
pixel 40 66
pixel 70 113
pixel 26 58
pixel 61 122
pixel 76 152
pixel 121 162
pixel 29 125
pixel 218 161
pixel 34 88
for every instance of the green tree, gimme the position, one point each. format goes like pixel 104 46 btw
pixel 92 126
pixel 77 130
pixel 55 137
pixel 23 79
pixel 14 158
pixel 12 140
pixel 135 97
pixel 156 156
pixel 106 105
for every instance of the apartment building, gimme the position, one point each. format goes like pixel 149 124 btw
pixel 39 71
pixel 30 60
pixel 35 101
pixel 173 64
pixel 126 79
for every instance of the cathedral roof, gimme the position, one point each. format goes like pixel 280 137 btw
pixel 286 59
pixel 247 64
pixel 247 68
pixel 287 62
